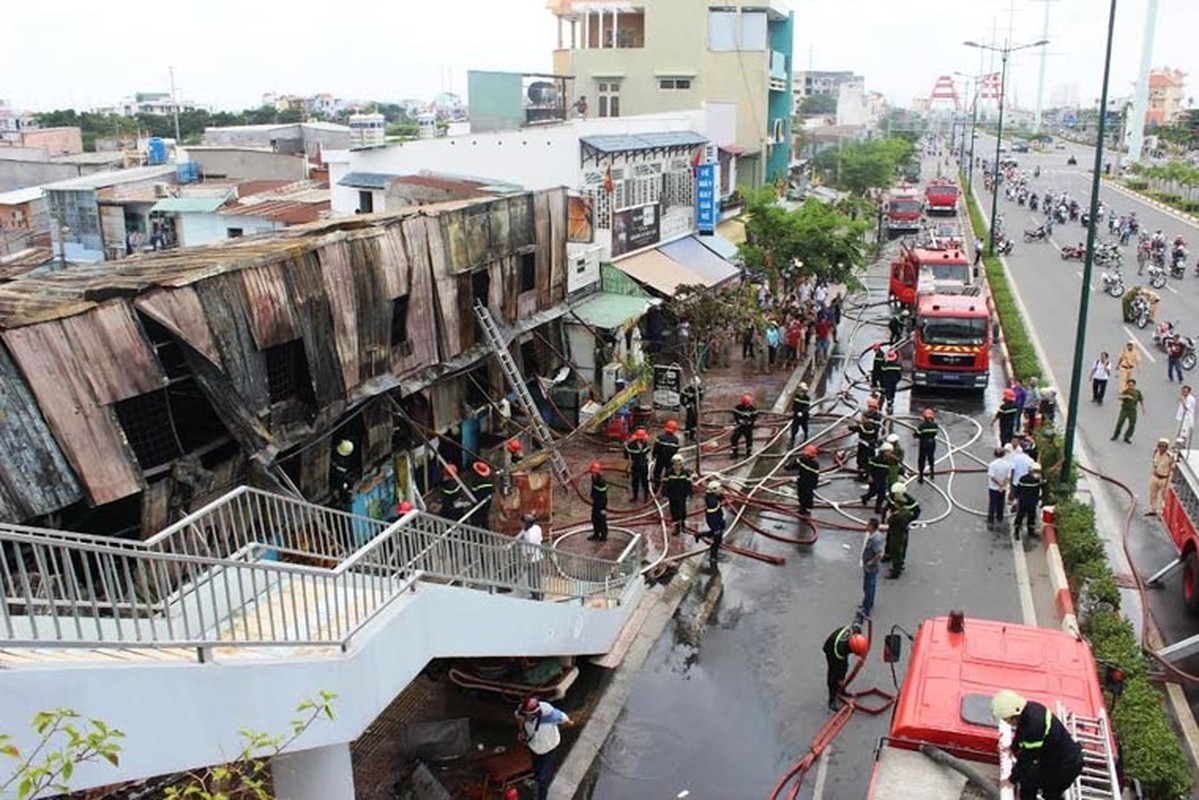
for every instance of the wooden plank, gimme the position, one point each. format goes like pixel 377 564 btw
pixel 156 507
pixel 559 233
pixel 306 283
pixel 314 468
pixel 478 236
pixel 500 225
pixel 339 288
pixel 374 308
pixel 35 477
pixel 87 432
pixel 394 267
pixel 115 355
pixel 224 302
pixel 376 418
pixel 543 232
pixel 179 310
pixel 453 238
pixel 520 220
pixel 445 285
pixel 271 317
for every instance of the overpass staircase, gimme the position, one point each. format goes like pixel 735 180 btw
pixel 257 601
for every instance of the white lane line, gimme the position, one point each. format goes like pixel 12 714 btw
pixel 1027 610
pixel 1144 349
pixel 1171 288
pixel 821 774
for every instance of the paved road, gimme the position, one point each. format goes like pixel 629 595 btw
pixel 724 720
pixel 1050 290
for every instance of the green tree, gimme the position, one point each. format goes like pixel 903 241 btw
pixel 818 104
pixel 859 167
pixel 814 239
pixel 65 740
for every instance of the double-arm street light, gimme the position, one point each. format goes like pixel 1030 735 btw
pixel 1004 51
pixel 975 84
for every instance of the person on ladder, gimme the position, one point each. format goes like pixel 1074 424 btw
pixel 1048 760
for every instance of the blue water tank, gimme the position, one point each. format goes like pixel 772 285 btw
pixel 187 171
pixel 156 150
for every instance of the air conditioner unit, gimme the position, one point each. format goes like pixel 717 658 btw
pixel 610 374
pixel 162 190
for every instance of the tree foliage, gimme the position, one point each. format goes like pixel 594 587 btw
pixel 65 740
pixel 818 104
pixel 814 239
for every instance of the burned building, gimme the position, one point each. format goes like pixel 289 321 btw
pixel 133 392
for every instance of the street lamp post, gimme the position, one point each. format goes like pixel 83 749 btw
pixel 1080 335
pixel 975 84
pixel 1004 52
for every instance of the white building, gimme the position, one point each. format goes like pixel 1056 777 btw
pixel 367 130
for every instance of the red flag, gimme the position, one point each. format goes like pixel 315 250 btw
pixel 608 184
pixel 697 158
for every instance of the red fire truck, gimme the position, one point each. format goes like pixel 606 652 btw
pixel 904 209
pixel 941 197
pixel 945 271
pixel 952 341
pixel 1181 515
pixel 957 665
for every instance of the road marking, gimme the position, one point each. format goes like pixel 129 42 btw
pixel 1027 610
pixel 1171 288
pixel 821 774
pixel 1144 349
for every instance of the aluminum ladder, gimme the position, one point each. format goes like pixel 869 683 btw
pixel 1099 780
pixel 499 344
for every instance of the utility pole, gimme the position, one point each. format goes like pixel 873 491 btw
pixel 1036 125
pixel 1140 100
pixel 175 108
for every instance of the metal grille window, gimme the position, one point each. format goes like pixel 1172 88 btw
pixel 287 373
pixel 146 420
pixel 678 189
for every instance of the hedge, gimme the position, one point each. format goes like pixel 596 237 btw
pixel 1150 749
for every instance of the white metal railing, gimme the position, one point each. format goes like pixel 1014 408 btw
pixel 256 569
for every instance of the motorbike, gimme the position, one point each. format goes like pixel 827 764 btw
pixel 1032 202
pixel 1003 245
pixel 1071 161
pixel 1039 234
pixel 1140 310
pixel 1165 333
pixel 1157 276
pixel 1178 266
pixel 1113 282
pixel 1073 253
pixel 1036 172
pixel 1105 256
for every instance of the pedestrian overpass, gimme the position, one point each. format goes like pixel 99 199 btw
pixel 233 616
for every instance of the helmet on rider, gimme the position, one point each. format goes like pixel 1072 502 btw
pixel 595 468
pixel 671 426
pixel 747 399
pixel 1009 394
pixel 872 404
pixel 859 645
pixel 892 355
pixel 810 450
pixel 928 413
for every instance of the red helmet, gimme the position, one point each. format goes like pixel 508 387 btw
pixel 671 426
pixel 859 645
pixel 404 507
pixel 451 470
pixel 876 346
pixel 1009 394
pixel 747 399
pixel 482 469
pixel 641 433
pixel 530 705
pixel 892 355
pixel 595 468
pixel 872 403
pixel 513 445
pixel 929 413
pixel 810 450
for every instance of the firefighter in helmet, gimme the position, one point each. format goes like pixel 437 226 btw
pixel 745 416
pixel 808 479
pixel 1048 760
pixel 926 453
pixel 599 504
pixel 665 448
pixel 839 645
pixel 636 450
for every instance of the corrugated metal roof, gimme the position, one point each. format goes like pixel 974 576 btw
pixel 719 245
pixel 99 180
pixel 623 143
pixel 184 205
pixel 698 259
pixel 658 271
pixel 367 180
pixel 20 196
pixel 286 211
pixel 611 311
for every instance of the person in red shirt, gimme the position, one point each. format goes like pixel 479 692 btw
pixel 824 328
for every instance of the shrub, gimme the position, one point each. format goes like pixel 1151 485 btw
pixel 1137 185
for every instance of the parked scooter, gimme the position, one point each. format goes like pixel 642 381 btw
pixel 1003 245
pixel 1140 309
pixel 1178 265
pixel 1072 253
pixel 1039 234
pixel 1113 282
pixel 1163 334
pixel 1157 276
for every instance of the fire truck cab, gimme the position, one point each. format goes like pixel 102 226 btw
pixel 1180 512
pixel 952 341
pixel 904 209
pixel 941 197
pixel 922 270
pixel 957 664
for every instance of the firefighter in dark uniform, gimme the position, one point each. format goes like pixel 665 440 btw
pixel 801 409
pixel 714 517
pixel 1048 760
pixel 867 426
pixel 341 473
pixel 880 469
pixel 483 487
pixel 689 399
pixel 889 378
pixel 903 511
pixel 636 450
pixel 808 479
pixel 876 366
pixel 1028 497
pixel 926 434
pixel 678 491
pixel 745 416
pixel 1006 416
pixel 599 504
pixel 1029 446
pixel 837 649
pixel 450 493
pixel 665 447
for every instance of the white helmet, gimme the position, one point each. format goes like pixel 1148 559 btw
pixel 803 387
pixel 713 486
pixel 898 487
pixel 677 458
pixel 1035 466
pixel 893 438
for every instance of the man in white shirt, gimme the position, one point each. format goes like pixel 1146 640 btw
pixel 1185 416
pixel 530 544
pixel 538 723
pixel 1021 463
pixel 999 478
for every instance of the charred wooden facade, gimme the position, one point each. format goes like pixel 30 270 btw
pixel 151 384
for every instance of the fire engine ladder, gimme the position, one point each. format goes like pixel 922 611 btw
pixel 499 344
pixel 1098 779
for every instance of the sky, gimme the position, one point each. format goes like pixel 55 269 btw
pixel 227 53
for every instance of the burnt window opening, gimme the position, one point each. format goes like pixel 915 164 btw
pixel 149 429
pixel 479 391
pixel 366 202
pixel 235 233
pixel 399 320
pixel 528 356
pixel 412 417
pixel 528 272
pixel 287 375
pixel 480 285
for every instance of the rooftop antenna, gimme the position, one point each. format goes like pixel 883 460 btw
pixel 175 108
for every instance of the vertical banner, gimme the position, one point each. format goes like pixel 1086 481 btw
pixel 707 199
pixel 668 384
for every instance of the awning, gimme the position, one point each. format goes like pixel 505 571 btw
pixel 184 205
pixel 719 245
pixel 697 258
pixel 367 180
pixel 658 271
pixel 732 149
pixel 608 311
